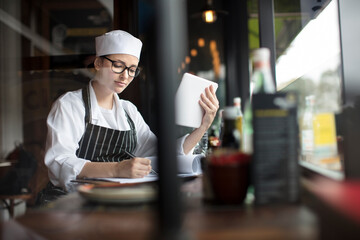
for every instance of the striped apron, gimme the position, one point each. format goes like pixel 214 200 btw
pixel 98 144
pixel 101 144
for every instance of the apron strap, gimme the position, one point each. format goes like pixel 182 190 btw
pixel 130 121
pixel 86 99
pixel 87 102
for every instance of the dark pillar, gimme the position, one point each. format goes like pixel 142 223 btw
pixel 237 51
pixel 171 39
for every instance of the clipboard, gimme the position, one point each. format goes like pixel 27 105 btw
pixel 188 111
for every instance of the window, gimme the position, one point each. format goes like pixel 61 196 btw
pixel 46 48
pixel 308 61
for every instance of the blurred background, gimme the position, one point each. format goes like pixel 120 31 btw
pixel 47 48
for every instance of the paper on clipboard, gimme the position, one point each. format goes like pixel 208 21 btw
pixel 188 165
pixel 188 111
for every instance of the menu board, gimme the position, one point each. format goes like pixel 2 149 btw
pixel 275 161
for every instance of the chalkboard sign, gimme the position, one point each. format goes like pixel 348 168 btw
pixel 275 161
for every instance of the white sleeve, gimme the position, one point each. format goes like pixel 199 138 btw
pixel 66 126
pixel 180 144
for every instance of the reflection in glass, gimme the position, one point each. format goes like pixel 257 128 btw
pixel 46 50
pixel 311 66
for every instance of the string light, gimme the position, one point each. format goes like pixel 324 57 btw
pixel 201 42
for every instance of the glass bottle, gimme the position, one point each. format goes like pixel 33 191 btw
pixel 262 82
pixel 202 146
pixel 325 142
pixel 239 118
pixel 230 137
pixel 261 77
pixel 247 137
pixel 307 129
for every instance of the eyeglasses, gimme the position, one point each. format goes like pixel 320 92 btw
pixel 119 67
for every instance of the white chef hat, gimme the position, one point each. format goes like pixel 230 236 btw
pixel 118 42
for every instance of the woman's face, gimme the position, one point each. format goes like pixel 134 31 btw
pixel 111 81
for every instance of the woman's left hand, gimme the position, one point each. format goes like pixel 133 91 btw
pixel 210 104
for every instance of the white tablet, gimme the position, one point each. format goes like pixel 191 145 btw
pixel 188 111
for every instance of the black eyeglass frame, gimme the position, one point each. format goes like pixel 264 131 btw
pixel 137 71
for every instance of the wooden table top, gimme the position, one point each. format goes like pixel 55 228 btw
pixel 72 217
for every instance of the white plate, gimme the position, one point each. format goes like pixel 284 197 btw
pixel 122 193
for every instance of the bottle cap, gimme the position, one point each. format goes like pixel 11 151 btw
pixel 261 54
pixel 237 101
pixel 230 112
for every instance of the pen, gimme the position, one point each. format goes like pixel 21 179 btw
pixel 133 156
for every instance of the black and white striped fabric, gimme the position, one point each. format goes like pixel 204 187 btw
pixel 101 144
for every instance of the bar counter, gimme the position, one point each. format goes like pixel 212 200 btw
pixel 72 217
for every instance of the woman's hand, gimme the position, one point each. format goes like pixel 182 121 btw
pixel 134 168
pixel 210 104
pixel 131 168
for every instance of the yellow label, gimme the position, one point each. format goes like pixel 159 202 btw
pixel 239 124
pixel 324 129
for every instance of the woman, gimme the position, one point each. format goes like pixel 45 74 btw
pixel 91 129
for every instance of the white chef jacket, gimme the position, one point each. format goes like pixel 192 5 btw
pixel 66 126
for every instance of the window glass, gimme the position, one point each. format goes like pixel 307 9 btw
pixel 46 48
pixel 308 61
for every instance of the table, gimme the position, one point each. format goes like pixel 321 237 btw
pixel 72 217
pixel 337 205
